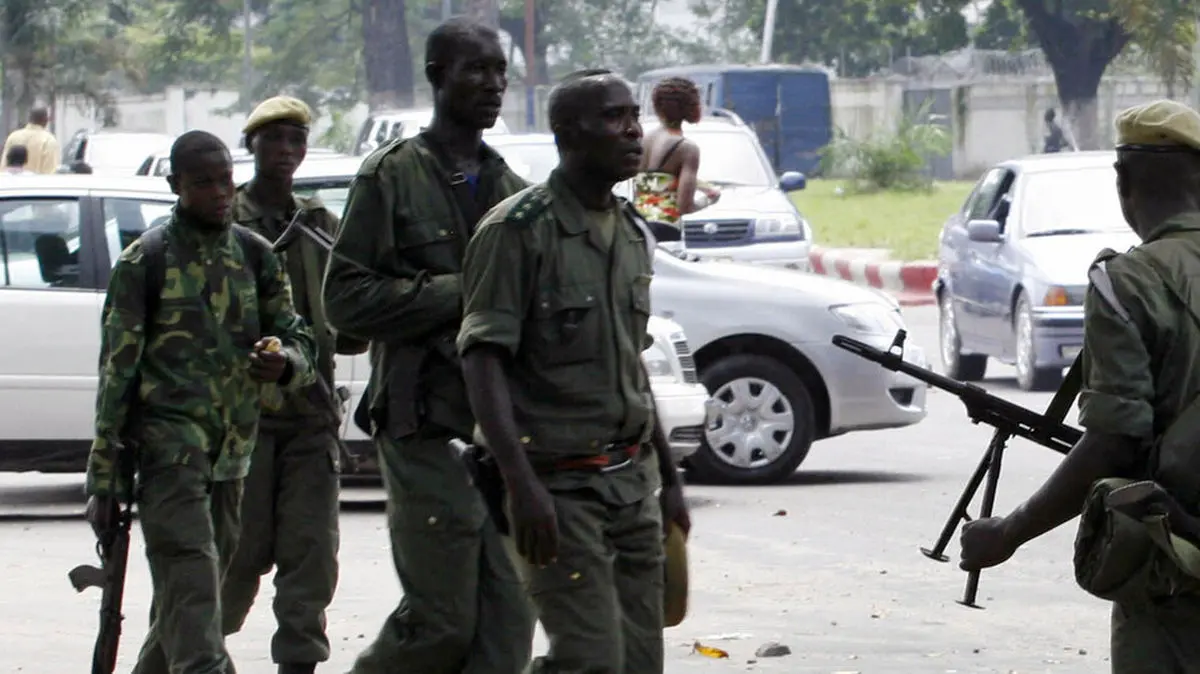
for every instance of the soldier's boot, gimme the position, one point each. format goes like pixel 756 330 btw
pixel 297 668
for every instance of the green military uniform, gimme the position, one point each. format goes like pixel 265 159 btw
pixel 290 507
pixel 566 291
pixel 395 279
pixel 1141 372
pixel 194 416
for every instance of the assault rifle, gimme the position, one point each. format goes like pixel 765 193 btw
pixel 1007 418
pixel 113 550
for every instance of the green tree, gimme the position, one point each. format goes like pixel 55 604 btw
pixel 1003 27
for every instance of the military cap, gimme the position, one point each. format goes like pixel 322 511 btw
pixel 675 591
pixel 1159 125
pixel 278 109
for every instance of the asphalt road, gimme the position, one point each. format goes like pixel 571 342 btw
pixel 827 564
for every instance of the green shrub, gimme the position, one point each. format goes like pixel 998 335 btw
pixel 888 161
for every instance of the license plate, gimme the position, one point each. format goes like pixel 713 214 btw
pixel 1069 351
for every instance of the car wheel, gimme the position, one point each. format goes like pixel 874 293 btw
pixel 761 425
pixel 958 365
pixel 1029 376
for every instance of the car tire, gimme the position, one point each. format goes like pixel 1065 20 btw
pixel 1030 377
pixel 957 365
pixel 749 390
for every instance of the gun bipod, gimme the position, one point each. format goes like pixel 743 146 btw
pixel 988 470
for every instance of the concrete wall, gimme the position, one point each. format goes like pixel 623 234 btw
pixel 995 119
pixel 178 110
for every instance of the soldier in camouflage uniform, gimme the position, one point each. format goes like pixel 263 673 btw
pixel 1140 407
pixel 180 378
pixel 394 279
pixel 290 506
pixel 557 299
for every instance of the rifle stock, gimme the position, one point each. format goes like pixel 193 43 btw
pixel 1008 419
pixel 113 550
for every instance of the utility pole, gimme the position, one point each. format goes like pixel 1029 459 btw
pixel 530 70
pixel 247 65
pixel 768 37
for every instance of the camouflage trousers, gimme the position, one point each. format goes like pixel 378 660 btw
pixel 1159 637
pixel 190 526
pixel 290 522
pixel 464 610
pixel 601 602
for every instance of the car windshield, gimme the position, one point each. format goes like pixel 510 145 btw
pixel 1071 201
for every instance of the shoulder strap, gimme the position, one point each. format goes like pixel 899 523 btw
pixel 154 251
pixel 670 151
pixel 468 207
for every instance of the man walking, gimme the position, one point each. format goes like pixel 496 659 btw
pixel 41 145
pixel 556 287
pixel 394 279
pixel 290 507
pixel 1134 469
pixel 198 319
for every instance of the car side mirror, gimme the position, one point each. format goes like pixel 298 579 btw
pixel 792 181
pixel 984 231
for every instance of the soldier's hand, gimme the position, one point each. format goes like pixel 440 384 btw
pixel 534 522
pixel 267 361
pixel 674 508
pixel 985 543
pixel 102 513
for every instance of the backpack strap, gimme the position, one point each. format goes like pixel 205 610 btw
pixel 254 245
pixel 154 250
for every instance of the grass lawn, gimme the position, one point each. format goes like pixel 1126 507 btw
pixel 907 223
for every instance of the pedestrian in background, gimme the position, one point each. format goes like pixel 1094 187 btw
pixel 15 159
pixel 41 145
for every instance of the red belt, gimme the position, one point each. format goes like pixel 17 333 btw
pixel 615 456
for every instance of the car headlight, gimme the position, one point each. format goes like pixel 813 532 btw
pixel 869 318
pixel 784 224
pixel 658 362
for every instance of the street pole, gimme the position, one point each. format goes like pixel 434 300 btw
pixel 768 37
pixel 530 70
pixel 246 62
pixel 447 9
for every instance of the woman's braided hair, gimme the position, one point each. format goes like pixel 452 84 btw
pixel 677 100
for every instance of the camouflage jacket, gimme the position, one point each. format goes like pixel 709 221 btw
pixel 395 280
pixel 176 384
pixel 304 260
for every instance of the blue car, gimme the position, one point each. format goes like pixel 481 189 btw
pixel 1013 263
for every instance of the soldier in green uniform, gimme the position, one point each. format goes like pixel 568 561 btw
pixel 394 279
pixel 183 359
pixel 1138 406
pixel 557 298
pixel 290 507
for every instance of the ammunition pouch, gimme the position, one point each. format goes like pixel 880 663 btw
pixel 1114 554
pixel 485 475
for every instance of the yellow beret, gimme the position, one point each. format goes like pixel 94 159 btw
pixel 675 590
pixel 279 109
pixel 1162 123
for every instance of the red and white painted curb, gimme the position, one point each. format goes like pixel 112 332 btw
pixel 910 282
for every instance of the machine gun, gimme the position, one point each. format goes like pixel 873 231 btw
pixel 113 550
pixel 1008 419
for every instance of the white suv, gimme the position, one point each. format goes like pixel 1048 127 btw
pixel 386 125
pixel 60 235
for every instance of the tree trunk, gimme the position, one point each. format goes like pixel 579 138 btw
pixel 1079 50
pixel 387 56
pixel 515 27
